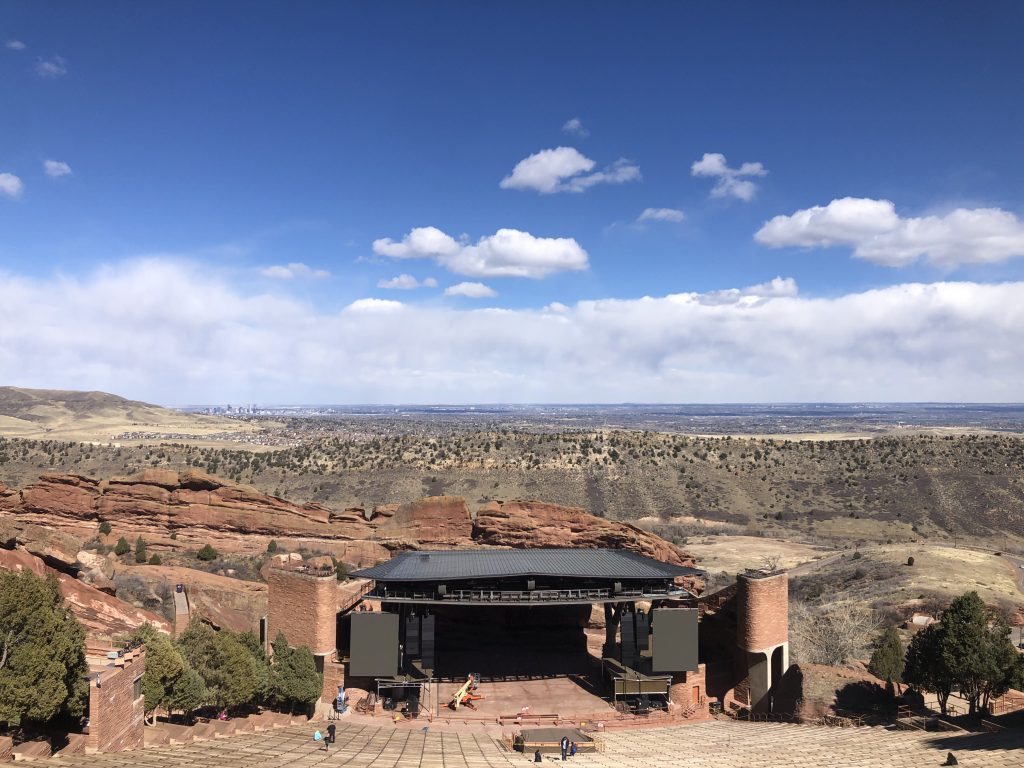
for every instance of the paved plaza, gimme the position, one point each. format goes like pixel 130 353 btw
pixel 716 744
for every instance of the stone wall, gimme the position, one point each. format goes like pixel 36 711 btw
pixel 763 608
pixel 116 713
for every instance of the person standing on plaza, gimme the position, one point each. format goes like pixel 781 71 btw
pixel 331 729
pixel 564 744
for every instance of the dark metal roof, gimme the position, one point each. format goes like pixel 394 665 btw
pixel 500 563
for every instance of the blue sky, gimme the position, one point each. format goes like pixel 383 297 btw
pixel 222 148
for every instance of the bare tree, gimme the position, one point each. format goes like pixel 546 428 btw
pixel 770 563
pixel 832 634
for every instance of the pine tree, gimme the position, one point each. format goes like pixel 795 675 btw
pixel 140 550
pixel 294 679
pixel 188 692
pixel 207 553
pixel 43 671
pixel 887 660
pixel 122 547
pixel 925 668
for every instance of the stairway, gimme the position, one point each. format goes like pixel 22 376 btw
pixel 182 616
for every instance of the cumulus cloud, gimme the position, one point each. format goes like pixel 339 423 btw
pixel 191 336
pixel 55 168
pixel 565 169
pixel 15 45
pixel 661 214
pixel 406 283
pixel 506 253
pixel 729 182
pixel 10 185
pixel 294 270
pixel 55 67
pixel 876 233
pixel 470 290
pixel 574 127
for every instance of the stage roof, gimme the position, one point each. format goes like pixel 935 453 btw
pixel 452 565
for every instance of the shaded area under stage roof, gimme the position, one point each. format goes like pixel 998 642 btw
pixel 452 565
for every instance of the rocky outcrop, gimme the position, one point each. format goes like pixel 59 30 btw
pixel 104 617
pixel 221 600
pixel 197 507
pixel 57 549
pixel 533 524
pixel 433 521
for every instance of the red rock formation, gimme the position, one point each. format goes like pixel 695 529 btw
pixel 103 616
pixel 198 507
pixel 533 524
pixel 433 521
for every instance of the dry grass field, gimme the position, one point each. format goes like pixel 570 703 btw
pixel 98 417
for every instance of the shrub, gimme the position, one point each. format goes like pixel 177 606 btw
pixel 207 553
pixel 140 550
pixel 272 546
pixel 910 560
pixel 122 547
pixel 105 528
pixel 155 559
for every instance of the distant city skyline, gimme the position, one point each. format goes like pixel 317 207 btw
pixel 513 203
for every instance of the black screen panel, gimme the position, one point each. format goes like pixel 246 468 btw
pixel 374 645
pixel 675 640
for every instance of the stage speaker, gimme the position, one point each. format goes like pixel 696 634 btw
pixel 374 651
pixel 427 642
pixel 674 639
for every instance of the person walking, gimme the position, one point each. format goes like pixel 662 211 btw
pixel 331 729
pixel 564 744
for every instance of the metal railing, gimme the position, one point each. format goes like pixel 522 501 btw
pixel 498 597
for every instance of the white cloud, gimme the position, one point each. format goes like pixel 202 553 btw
pixel 730 182
pixel 574 127
pixel 661 214
pixel 876 233
pixel 10 185
pixel 565 169
pixel 419 243
pixel 506 253
pixel 776 288
pixel 56 169
pixel 15 45
pixel 189 335
pixel 374 305
pixel 293 270
pixel 55 67
pixel 471 291
pixel 406 283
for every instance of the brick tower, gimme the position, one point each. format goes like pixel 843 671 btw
pixel 762 633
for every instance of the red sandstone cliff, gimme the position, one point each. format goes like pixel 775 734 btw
pixel 197 508
pixel 531 524
pixel 103 616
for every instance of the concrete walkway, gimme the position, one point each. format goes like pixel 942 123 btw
pixel 716 744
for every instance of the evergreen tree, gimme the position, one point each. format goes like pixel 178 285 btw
pixel 155 559
pixel 294 679
pixel 43 671
pixel 207 553
pixel 978 650
pixel 228 669
pixel 121 548
pixel 188 692
pixel 969 648
pixel 252 644
pixel 140 550
pixel 887 658
pixel 164 665
pixel 169 680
